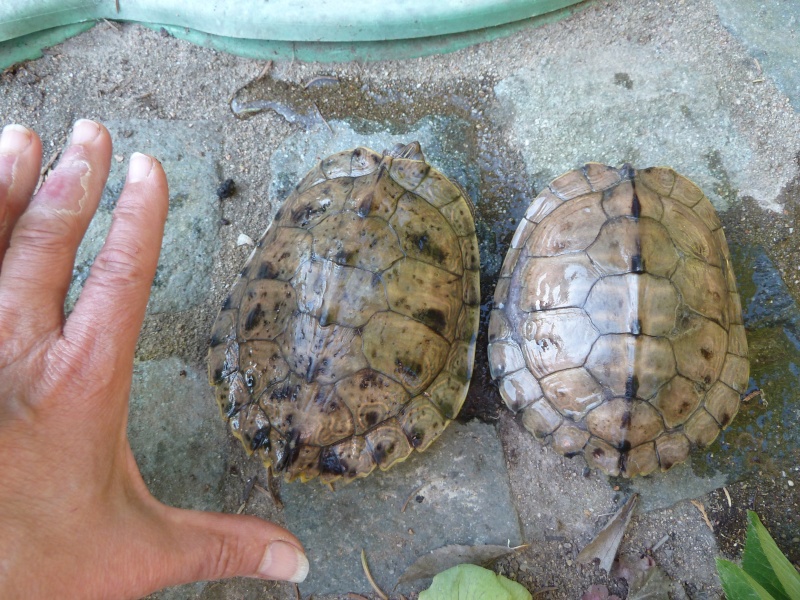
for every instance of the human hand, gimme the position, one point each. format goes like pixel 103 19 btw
pixel 76 519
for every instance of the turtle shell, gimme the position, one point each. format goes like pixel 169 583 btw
pixel 348 339
pixel 617 329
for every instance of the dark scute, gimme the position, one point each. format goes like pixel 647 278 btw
pixel 625 422
pixel 433 318
pixel 380 452
pixel 408 368
pixel 416 438
pixel 427 248
pixel 218 375
pixel 288 454
pixel 598 453
pixel 636 327
pixel 253 318
pixel 343 257
pixel 707 354
pixel 279 214
pixel 637 263
pixel 303 213
pixel 261 439
pixel 627 171
pixel 625 445
pixel 371 418
pixel 266 270
pixel 329 462
pixel 631 387
pixel 724 420
pixel 365 205
pixel 636 207
pixel 216 340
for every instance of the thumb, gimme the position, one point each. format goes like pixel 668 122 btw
pixel 217 546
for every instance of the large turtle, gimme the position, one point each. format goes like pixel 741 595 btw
pixel 617 329
pixel 348 339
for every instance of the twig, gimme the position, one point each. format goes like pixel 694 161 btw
pixel 374 585
pixel 46 169
pixel 660 543
pixel 413 495
pixel 544 590
pixel 321 79
pixel 353 596
pixel 116 4
pixel 728 496
pixel 323 118
pixel 111 24
pixel 117 86
pixel 699 506
pixel 297 592
pixel 754 394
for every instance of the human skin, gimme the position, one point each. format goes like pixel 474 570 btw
pixel 76 518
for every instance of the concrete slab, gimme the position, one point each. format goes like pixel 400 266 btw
pixel 455 493
pixel 189 153
pixel 642 104
pixel 771 33
pixel 175 435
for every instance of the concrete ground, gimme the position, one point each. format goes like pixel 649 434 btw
pixel 710 87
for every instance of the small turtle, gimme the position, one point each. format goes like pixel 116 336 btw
pixel 617 329
pixel 348 339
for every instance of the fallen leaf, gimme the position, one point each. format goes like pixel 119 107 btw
pixel 470 582
pixel 446 557
pixel 605 544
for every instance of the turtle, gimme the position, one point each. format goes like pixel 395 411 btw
pixel 348 338
pixel 617 328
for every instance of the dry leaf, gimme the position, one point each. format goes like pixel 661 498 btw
pixel 605 544
pixel 446 557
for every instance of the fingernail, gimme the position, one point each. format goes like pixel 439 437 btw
pixel 285 562
pixel 139 167
pixel 15 139
pixel 84 131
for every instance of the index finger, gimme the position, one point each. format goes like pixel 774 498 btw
pixel 111 307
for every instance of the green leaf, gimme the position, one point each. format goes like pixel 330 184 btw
pixel 766 564
pixel 471 582
pixel 738 585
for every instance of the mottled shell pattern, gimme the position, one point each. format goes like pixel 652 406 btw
pixel 617 329
pixel 348 339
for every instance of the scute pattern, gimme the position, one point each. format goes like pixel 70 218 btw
pixel 617 328
pixel 348 339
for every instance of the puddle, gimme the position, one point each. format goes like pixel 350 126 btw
pixel 765 436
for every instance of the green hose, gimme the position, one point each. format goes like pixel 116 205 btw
pixel 324 30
